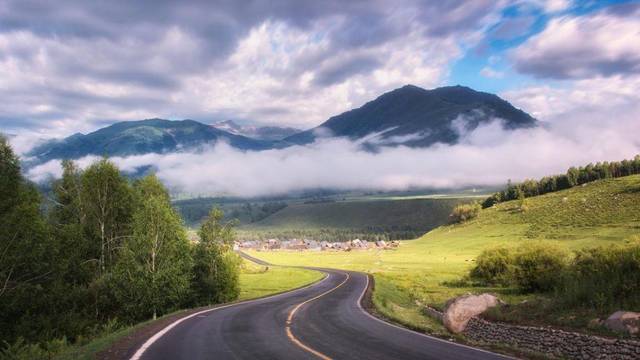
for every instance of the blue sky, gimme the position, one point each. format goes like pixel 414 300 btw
pixel 71 66
pixel 493 51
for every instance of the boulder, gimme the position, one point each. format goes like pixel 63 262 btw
pixel 624 321
pixel 458 311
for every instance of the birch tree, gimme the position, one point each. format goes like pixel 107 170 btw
pixel 154 269
pixel 107 200
pixel 216 268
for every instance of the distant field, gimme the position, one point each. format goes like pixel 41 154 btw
pixel 598 213
pixel 410 214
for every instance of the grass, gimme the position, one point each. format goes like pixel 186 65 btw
pixel 422 214
pixel 255 281
pixel 258 281
pixel 598 213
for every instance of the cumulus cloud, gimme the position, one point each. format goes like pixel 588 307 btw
pixel 570 47
pixel 487 155
pixel 90 63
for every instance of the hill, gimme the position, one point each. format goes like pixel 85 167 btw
pixel 268 133
pixel 409 116
pixel 141 137
pixel 418 215
pixel 414 116
pixel 598 213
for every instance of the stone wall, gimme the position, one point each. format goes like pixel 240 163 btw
pixel 551 342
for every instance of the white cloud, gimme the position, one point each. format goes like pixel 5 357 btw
pixel 581 47
pixel 294 64
pixel 483 157
pixel 491 73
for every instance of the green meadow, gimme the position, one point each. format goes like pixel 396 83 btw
pixel 428 270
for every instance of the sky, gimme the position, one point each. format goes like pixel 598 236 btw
pixel 75 66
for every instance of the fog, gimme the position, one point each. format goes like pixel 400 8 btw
pixel 487 156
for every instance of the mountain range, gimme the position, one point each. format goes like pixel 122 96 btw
pixel 409 116
pixel 268 133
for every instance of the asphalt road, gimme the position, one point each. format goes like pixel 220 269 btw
pixel 322 321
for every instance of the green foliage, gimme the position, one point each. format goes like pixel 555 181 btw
pixel 106 199
pixel 573 177
pixel 105 250
pixel 494 266
pixel 532 268
pixel 465 212
pixel 604 277
pixel 216 266
pixel 539 267
pixel 153 272
pixel 10 178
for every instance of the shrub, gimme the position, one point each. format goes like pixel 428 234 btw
pixel 605 278
pixel 494 266
pixel 465 212
pixel 540 267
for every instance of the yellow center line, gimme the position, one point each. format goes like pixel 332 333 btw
pixel 292 314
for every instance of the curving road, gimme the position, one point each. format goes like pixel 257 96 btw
pixel 322 321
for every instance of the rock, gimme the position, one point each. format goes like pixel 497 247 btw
pixel 458 311
pixel 624 321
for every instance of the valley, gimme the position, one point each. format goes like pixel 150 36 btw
pixel 430 270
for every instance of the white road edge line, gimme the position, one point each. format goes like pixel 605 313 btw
pixel 416 332
pixel 138 354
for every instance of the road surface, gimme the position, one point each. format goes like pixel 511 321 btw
pixel 322 321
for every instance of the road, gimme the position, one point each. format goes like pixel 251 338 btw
pixel 321 321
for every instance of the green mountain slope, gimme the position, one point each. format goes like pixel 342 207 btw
pixel 414 116
pixel 410 215
pixel 141 137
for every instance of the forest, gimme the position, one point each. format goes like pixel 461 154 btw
pixel 109 252
pixel 573 177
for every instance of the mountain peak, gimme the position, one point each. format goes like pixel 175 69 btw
pixel 413 116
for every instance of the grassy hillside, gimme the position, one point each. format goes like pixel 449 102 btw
pixel 414 214
pixel 597 213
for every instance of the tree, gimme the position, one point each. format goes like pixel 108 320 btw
pixel 25 261
pixel 107 197
pixel 10 178
pixel 153 272
pixel 216 266
pixel 465 212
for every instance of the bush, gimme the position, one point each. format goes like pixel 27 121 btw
pixel 465 212
pixel 494 267
pixel 605 278
pixel 540 267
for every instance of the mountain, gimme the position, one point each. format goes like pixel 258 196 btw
pixel 141 137
pixel 267 133
pixel 417 117
pixel 409 116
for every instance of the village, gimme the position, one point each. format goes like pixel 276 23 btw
pixel 313 245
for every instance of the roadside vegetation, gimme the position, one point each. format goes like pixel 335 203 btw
pixel 106 255
pixel 586 223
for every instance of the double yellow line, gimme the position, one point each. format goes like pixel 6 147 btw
pixel 292 313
